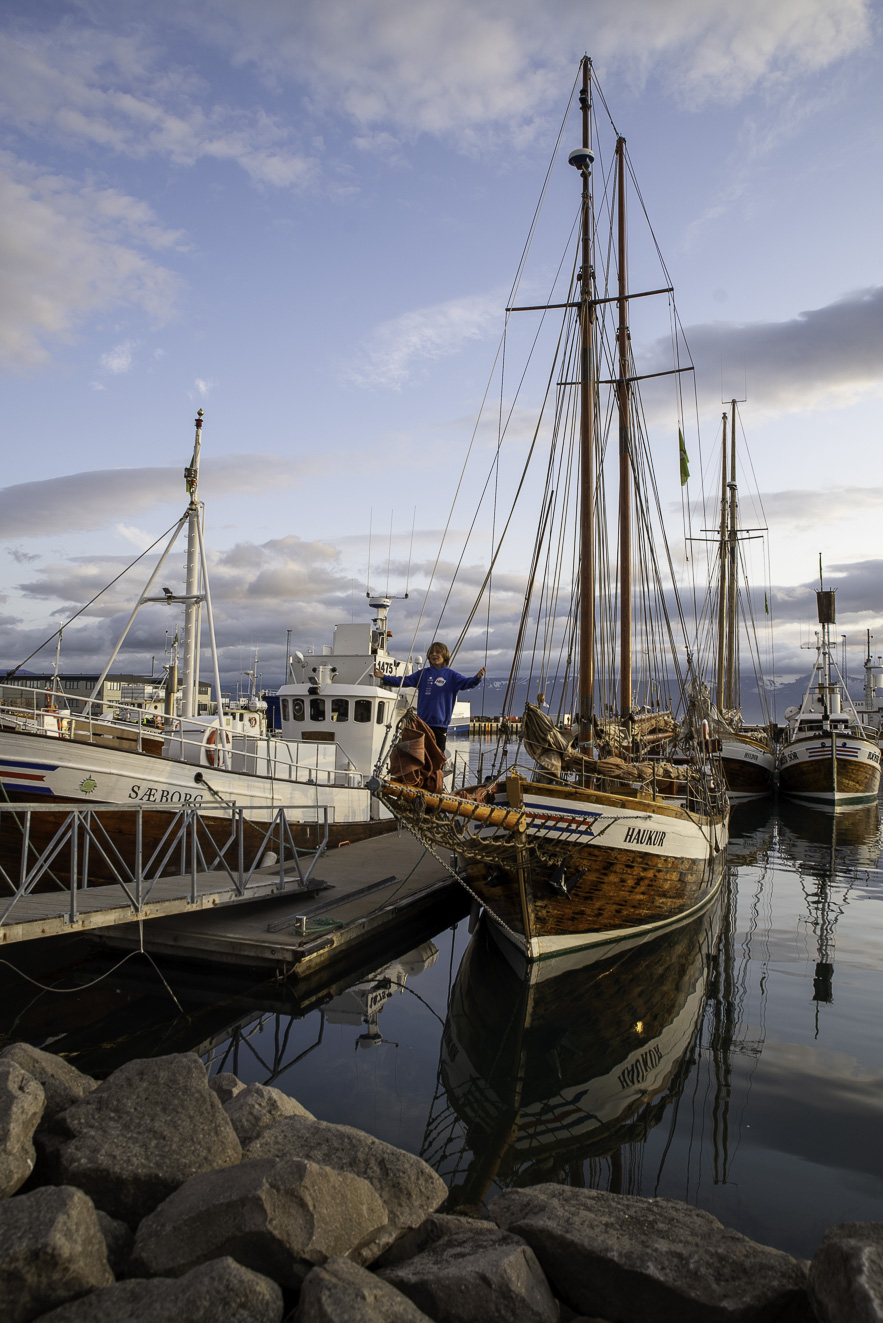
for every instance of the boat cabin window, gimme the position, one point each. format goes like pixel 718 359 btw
pixel 297 709
pixel 362 709
pixel 285 709
pixel 340 709
pixel 381 710
pixel 317 709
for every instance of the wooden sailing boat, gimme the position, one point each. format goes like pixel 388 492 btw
pixel 748 752
pixel 828 757
pixel 583 848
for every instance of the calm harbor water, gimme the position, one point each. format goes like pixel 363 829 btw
pixel 736 1065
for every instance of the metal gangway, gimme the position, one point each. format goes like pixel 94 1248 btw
pixel 67 869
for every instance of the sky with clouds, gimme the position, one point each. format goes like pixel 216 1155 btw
pixel 306 219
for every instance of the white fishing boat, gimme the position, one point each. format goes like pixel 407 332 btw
pixel 575 846
pixel 335 721
pixel 829 757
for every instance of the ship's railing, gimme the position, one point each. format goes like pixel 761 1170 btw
pixel 199 742
pixel 103 847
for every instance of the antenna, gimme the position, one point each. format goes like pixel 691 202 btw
pixel 410 552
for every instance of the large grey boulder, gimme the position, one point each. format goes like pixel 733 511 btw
pixel 257 1106
pixel 409 1188
pixel 467 1271
pixel 139 1135
pixel 21 1106
pixel 341 1292
pixel 62 1083
pixel 51 1250
pixel 277 1216
pixel 846 1274
pixel 119 1239
pixel 226 1086
pixel 218 1292
pixel 635 1259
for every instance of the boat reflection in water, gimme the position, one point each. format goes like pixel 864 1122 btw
pixel 831 854
pixel 540 1073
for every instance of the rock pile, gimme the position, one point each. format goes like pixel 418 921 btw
pixel 160 1195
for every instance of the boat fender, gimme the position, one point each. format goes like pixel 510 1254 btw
pixel 706 732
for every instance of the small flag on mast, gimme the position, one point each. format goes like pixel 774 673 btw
pixel 685 463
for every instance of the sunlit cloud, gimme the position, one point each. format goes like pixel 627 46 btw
pixel 400 346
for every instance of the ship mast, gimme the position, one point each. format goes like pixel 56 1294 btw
pixel 625 477
pixel 582 160
pixel 190 678
pixel 732 695
pixel 722 578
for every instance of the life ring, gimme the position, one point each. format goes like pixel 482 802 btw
pixel 252 721
pixel 211 752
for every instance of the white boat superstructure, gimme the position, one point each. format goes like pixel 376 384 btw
pixel 335 723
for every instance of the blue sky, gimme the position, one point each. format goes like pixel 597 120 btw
pixel 305 219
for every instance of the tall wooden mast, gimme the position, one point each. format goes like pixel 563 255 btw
pixel 732 694
pixel 625 461
pixel 582 160
pixel 722 577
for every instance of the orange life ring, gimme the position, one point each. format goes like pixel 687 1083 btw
pixel 210 751
pixel 252 721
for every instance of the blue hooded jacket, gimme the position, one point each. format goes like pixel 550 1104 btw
pixel 437 689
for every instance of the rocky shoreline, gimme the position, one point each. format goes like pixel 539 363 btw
pixel 161 1194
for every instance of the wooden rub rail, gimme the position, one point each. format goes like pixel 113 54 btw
pixel 66 868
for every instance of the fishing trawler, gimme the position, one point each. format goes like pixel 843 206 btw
pixel 335 720
pixel 829 757
pixel 599 835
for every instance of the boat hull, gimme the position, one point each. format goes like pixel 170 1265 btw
pixel 748 767
pixel 841 771
pixel 39 769
pixel 568 870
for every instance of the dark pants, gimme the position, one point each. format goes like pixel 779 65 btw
pixel 441 736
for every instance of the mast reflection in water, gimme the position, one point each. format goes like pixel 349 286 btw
pixel 561 1078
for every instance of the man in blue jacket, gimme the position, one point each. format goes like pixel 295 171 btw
pixel 437 688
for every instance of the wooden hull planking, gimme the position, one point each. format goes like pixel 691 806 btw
pixel 571 870
pixel 848 775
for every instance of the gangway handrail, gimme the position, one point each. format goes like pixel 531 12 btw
pixel 83 833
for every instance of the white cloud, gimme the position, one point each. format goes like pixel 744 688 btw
pixel 119 359
pixel 468 64
pixel 64 257
pixel 89 87
pixel 425 334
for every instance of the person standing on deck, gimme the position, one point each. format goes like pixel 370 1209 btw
pixel 437 689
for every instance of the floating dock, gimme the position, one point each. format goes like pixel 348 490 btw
pixel 360 893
